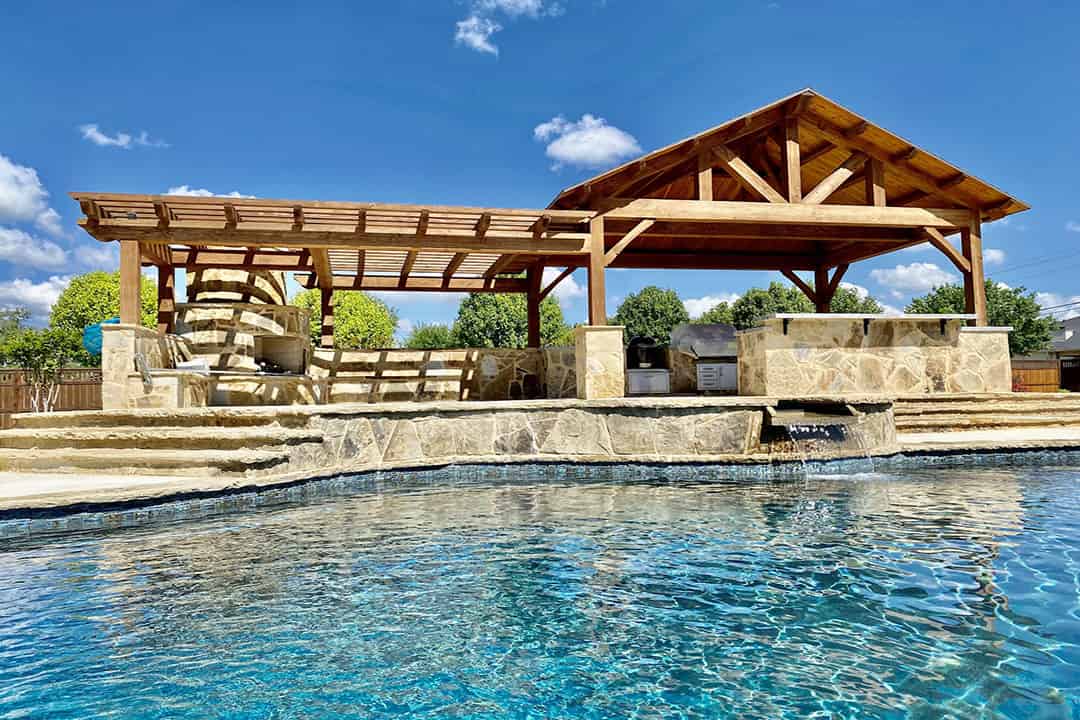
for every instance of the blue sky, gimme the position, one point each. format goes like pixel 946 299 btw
pixel 440 101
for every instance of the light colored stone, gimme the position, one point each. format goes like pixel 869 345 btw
pixel 894 356
pixel 600 361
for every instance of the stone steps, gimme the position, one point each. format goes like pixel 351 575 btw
pixel 143 461
pixel 163 438
pixel 945 423
pixel 200 417
pixel 945 413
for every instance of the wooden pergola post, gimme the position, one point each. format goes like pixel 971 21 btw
pixel 130 280
pixel 822 297
pixel 597 302
pixel 166 299
pixel 533 276
pixel 974 280
pixel 326 307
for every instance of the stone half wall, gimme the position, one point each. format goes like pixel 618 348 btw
pixel 714 430
pixel 426 375
pixel 123 386
pixel 888 356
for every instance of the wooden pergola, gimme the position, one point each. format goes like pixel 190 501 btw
pixel 802 184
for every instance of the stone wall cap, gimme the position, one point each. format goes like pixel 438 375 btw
pixel 870 316
pixel 991 329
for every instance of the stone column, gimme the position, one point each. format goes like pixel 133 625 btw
pixel 600 361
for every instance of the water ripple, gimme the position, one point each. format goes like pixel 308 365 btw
pixel 946 592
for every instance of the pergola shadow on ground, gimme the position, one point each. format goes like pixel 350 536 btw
pixel 802 185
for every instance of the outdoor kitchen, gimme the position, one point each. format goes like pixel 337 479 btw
pixel 699 358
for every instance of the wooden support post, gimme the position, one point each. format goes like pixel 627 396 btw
pixel 326 307
pixel 166 299
pixel 705 177
pixel 534 275
pixel 597 303
pixel 974 281
pixel 875 182
pixel 792 160
pixel 822 298
pixel 130 281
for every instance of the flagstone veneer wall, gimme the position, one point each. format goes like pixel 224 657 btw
pixel 891 356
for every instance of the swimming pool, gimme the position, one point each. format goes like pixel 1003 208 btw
pixel 531 593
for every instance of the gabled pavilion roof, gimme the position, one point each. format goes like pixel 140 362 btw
pixel 828 134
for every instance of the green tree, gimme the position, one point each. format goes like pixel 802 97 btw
pixel 1005 306
pixel 41 354
pixel 12 321
pixel 847 300
pixel 652 312
pixel 756 304
pixel 501 320
pixel 430 337
pixel 719 313
pixel 89 299
pixel 360 320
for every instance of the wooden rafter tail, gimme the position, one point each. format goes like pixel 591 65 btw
pixel 232 219
pixel 298 218
pixel 361 259
pixel 746 175
pixel 801 284
pixel 161 209
pixel 555 282
pixel 422 223
pixel 482 225
pixel 541 226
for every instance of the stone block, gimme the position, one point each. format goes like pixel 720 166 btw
pixel 600 361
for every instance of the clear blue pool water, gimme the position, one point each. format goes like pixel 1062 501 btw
pixel 620 592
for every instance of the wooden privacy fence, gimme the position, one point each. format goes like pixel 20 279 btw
pixel 1036 376
pixel 80 389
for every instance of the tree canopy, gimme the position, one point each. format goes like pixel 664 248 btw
pixel 501 320
pixel 432 336
pixel 756 304
pixel 651 312
pixel 92 298
pixel 719 313
pixel 360 320
pixel 848 300
pixel 1005 306
pixel 41 354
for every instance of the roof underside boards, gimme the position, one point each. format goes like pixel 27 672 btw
pixel 828 134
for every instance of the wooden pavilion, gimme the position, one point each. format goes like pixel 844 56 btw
pixel 800 185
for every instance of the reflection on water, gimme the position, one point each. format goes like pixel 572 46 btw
pixel 951 592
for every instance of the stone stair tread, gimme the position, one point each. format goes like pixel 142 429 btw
pixel 203 417
pixel 135 460
pixel 130 436
pixel 901 410
pixel 961 420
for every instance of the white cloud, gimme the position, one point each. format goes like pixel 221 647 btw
pixel 590 142
pixel 993 256
pixel 22 248
pixel 475 31
pixel 1055 301
pixel 917 277
pixel 38 297
pixel 24 199
pixel 891 309
pixel 567 291
pixel 859 290
pixel 1072 226
pixel 697 307
pixel 189 191
pixel 98 255
pixel 126 141
pixel 404 327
